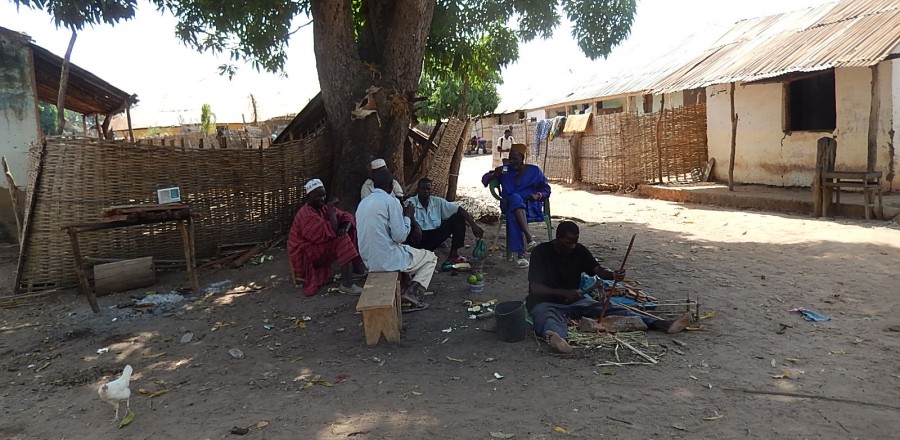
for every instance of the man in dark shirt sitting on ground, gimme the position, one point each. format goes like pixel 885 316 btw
pixel 554 277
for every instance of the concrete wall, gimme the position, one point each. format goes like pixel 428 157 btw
pixel 19 123
pixel 765 154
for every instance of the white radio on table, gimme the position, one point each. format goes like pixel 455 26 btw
pixel 168 195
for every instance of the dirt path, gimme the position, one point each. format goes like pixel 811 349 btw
pixel 748 267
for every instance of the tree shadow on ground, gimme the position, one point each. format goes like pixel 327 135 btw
pixel 315 377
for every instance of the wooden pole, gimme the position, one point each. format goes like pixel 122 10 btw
pixel 546 154
pixel 623 145
pixel 574 163
pixel 817 178
pixel 187 236
pixel 734 121
pixel 662 109
pixel 456 162
pixel 105 128
pixel 84 286
pixel 29 211
pixel 63 82
pixel 612 288
pixel 874 108
pixel 525 141
pixel 14 199
pixel 130 128
pixel 826 151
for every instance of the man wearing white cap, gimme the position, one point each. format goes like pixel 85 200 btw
pixel 369 186
pixel 383 227
pixel 320 235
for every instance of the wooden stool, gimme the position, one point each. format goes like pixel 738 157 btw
pixel 380 307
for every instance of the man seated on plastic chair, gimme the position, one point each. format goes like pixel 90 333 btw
pixel 523 189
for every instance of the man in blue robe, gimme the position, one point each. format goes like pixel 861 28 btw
pixel 523 189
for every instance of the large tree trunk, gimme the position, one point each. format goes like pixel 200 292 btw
pixel 386 57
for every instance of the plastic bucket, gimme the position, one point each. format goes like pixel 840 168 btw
pixel 511 323
pixel 476 288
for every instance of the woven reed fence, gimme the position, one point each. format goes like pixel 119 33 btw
pixel 236 195
pixel 439 173
pixel 230 141
pixel 621 149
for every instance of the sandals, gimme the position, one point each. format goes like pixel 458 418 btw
pixel 522 263
pixel 531 245
pixel 352 289
pixel 409 308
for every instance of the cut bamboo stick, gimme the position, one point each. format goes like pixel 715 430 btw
pixel 638 352
pixel 636 310
pixel 621 364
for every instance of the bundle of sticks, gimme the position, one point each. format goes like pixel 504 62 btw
pixel 237 254
pixel 622 290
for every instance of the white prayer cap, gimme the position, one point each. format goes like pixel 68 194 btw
pixel 378 163
pixel 312 185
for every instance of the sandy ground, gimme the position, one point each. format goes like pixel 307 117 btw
pixel 747 267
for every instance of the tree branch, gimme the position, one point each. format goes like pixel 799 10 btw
pixel 63 83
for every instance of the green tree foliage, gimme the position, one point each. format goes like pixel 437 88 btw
pixel 207 120
pixel 361 43
pixel 75 14
pixel 48 118
pixel 448 96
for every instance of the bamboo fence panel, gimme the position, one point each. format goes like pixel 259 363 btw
pixel 235 195
pixel 681 133
pixel 601 155
pixel 554 158
pixel 621 151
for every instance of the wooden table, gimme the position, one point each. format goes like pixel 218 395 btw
pixel 135 215
pixel 867 181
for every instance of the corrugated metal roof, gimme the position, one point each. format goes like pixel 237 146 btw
pixel 851 33
pixel 643 68
pixel 512 101
pixel 631 68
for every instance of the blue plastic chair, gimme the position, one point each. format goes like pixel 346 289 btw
pixel 495 191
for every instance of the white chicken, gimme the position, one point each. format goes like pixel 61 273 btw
pixel 114 392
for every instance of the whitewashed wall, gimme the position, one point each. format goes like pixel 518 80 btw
pixel 765 154
pixel 19 122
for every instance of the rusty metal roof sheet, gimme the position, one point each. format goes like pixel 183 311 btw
pixel 850 33
pixel 630 69
pixel 640 71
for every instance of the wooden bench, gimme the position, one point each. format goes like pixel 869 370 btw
pixel 868 182
pixel 380 307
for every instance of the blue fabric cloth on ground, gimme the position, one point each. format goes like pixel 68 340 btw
pixel 810 315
